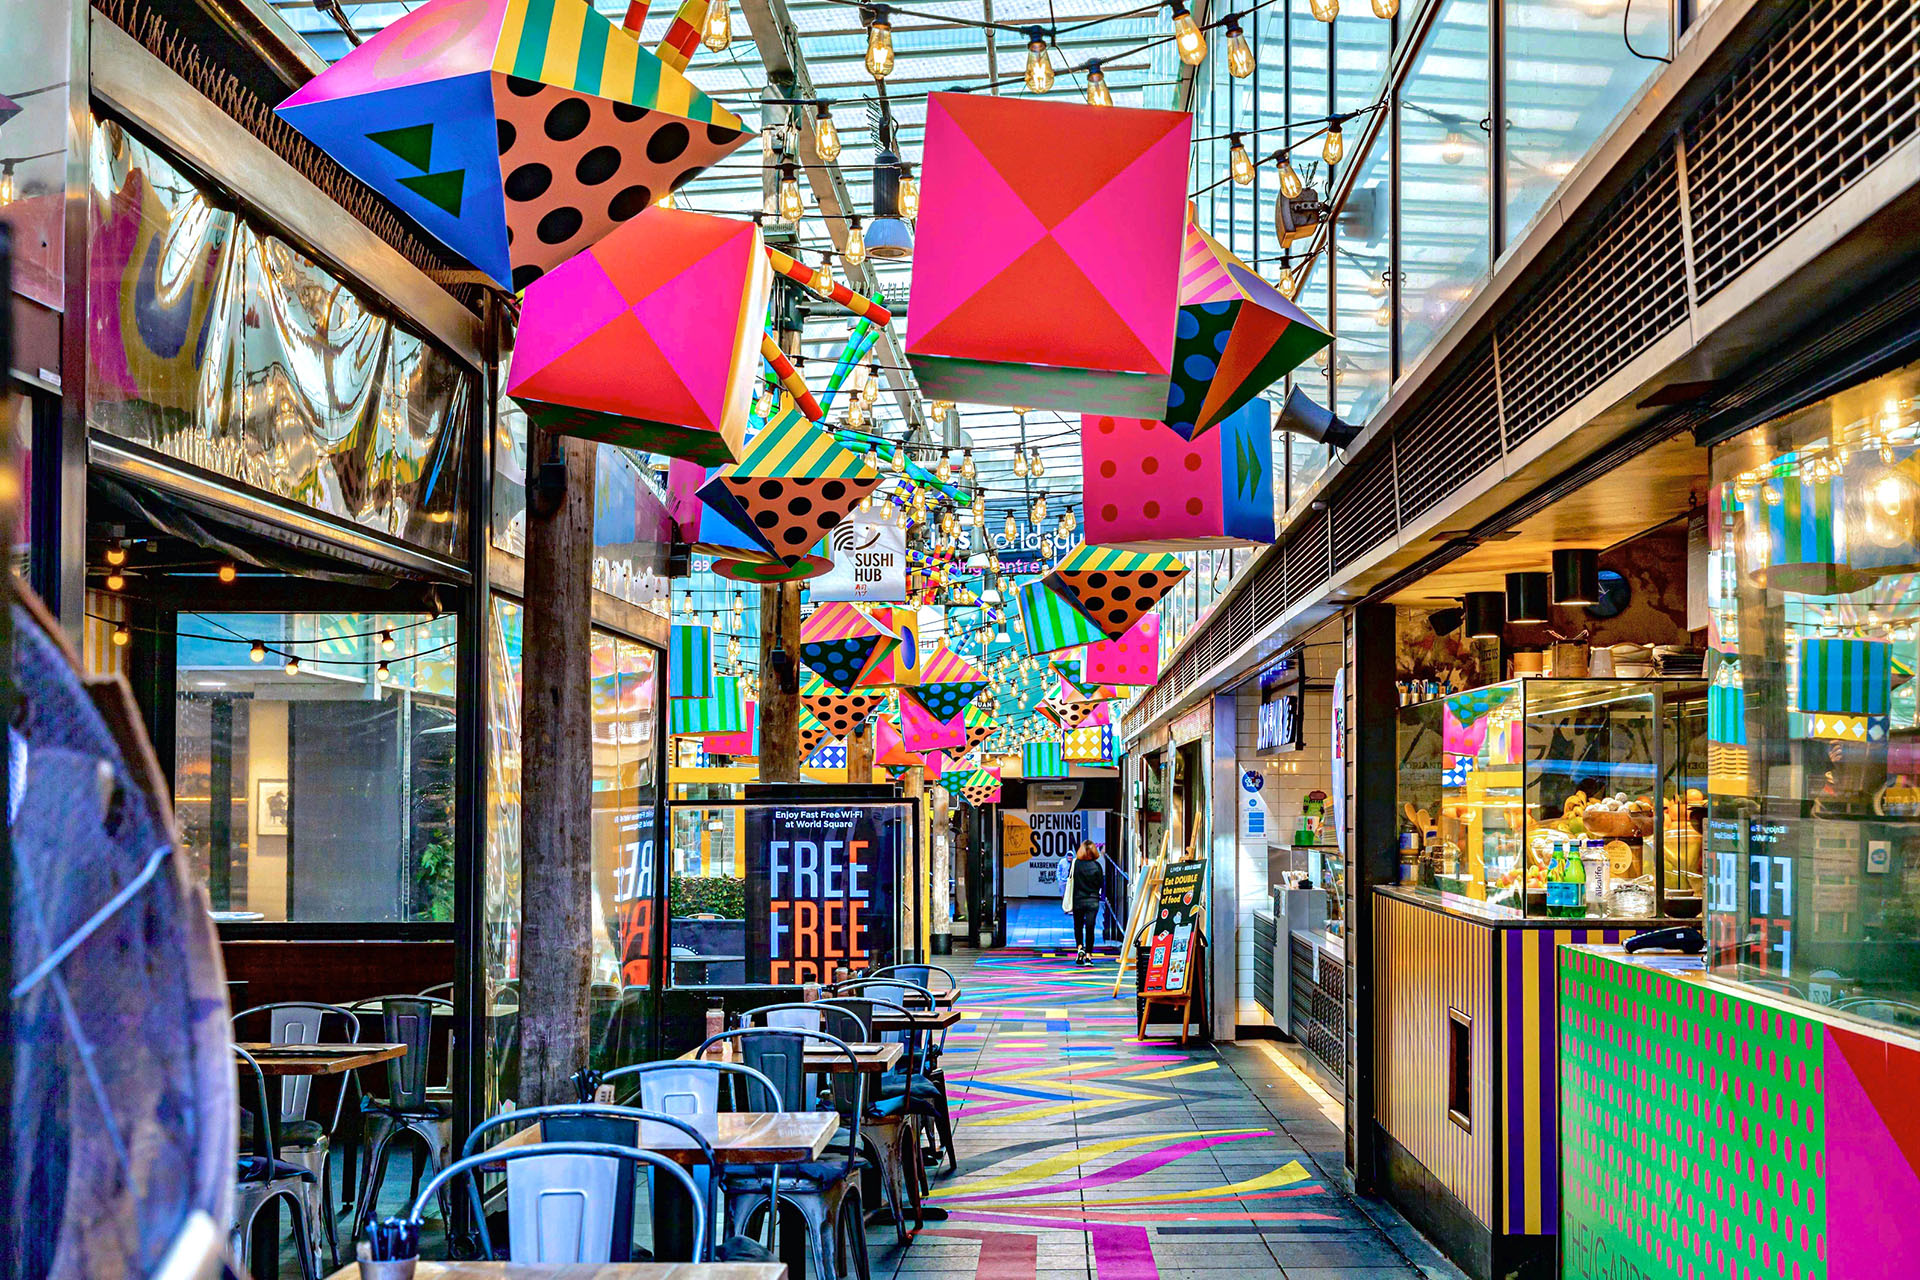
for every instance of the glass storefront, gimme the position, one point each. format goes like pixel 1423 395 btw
pixel 1813 833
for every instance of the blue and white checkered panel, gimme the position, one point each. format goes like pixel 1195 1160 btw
pixel 1455 774
pixel 831 755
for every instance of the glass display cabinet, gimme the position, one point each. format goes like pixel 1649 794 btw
pixel 1570 798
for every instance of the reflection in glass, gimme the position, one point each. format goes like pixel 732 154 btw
pixel 1568 75
pixel 1445 201
pixel 1363 314
pixel 33 153
pixel 222 345
pixel 1813 787
pixel 323 793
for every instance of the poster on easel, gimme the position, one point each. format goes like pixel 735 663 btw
pixel 1180 914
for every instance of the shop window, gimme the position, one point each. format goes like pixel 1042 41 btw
pixel 1460 1069
pixel 321 792
pixel 1813 781
pixel 221 345
pixel 34 61
pixel 1446 205
pixel 1363 306
pixel 1568 76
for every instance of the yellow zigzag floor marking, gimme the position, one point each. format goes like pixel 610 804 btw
pixel 1285 1176
pixel 1175 1071
pixel 1043 1169
pixel 1019 1116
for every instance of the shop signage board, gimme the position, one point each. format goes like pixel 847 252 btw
pixel 1278 728
pixel 869 562
pixel 1036 849
pixel 631 873
pixel 1182 912
pixel 1253 806
pixel 820 889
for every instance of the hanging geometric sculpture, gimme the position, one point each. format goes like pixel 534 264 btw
pixel 742 744
pixel 948 683
pixel 790 488
pixel 840 713
pixel 813 734
pixel 689 661
pixel 981 786
pixel 1843 687
pixel 839 641
pixel 1090 744
pixel 722 711
pixel 1796 543
pixel 703 529
pixel 888 748
pixel 921 731
pixel 1047 264
pixel 1114 588
pixel 898 667
pixel 762 572
pixel 1727 737
pixel 1044 759
pixel 979 723
pixel 646 340
pixel 1051 621
pixel 830 754
pixel 518 133
pixel 1148 489
pixel 1237 335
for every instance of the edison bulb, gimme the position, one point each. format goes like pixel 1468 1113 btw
pixel 909 195
pixel 792 207
pixel 719 29
pixel 257 651
pixel 826 136
pixel 1287 284
pixel 1098 95
pixel 1039 66
pixel 1240 163
pixel 1334 145
pixel 1325 10
pixel 1290 184
pixel 880 49
pixel 1012 527
pixel 1187 36
pixel 856 251
pixel 1453 147
pixel 1239 52
pixel 1020 466
pixel 1385 8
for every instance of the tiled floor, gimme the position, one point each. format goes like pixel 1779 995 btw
pixel 1085 1153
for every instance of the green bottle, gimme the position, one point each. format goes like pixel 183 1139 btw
pixel 1566 883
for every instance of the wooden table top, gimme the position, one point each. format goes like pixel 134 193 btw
pixel 915 1019
pixel 586 1271
pixel 737 1137
pixel 318 1059
pixel 870 1059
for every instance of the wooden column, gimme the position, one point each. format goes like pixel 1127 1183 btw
pixel 860 756
pixel 556 782
pixel 779 708
pixel 914 785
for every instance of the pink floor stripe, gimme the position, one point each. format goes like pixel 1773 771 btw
pixel 1119 1252
pixel 1008 1254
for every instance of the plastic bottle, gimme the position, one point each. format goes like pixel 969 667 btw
pixel 1566 883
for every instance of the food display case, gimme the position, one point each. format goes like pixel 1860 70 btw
pixel 1557 798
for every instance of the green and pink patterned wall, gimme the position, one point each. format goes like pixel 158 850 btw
pixel 1703 1134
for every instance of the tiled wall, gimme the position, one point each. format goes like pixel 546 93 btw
pixel 1289 778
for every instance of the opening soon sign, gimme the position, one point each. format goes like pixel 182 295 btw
pixel 820 890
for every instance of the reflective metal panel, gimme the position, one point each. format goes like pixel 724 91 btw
pixel 222 345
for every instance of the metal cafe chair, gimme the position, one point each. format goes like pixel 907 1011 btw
pixel 825 1192
pixel 555 1199
pixel 919 1078
pixel 528 1214
pixel 443 990
pixel 263 1179
pixel 920 975
pixel 303 1141
pixel 410 1108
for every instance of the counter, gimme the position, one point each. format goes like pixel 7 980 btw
pixel 1710 1129
pixel 1465 1040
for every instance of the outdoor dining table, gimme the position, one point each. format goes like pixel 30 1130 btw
pixel 318 1059
pixel 915 1019
pixel 586 1271
pixel 869 1059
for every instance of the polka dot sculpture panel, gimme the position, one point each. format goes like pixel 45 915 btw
pixel 517 132
pixel 1132 660
pixel 838 641
pixel 792 486
pixel 1148 489
pixel 1113 588
pixel 840 713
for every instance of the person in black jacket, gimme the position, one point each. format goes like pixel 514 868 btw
pixel 1088 880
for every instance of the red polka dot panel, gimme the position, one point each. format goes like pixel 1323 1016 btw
pixel 1150 489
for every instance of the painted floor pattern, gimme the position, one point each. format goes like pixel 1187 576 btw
pixel 1086 1154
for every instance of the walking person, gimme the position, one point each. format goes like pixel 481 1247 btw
pixel 1089 879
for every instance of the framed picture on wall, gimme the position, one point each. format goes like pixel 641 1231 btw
pixel 270 806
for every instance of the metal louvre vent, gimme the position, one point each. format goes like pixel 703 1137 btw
pixel 1802 118
pixel 1267 596
pixel 1308 565
pixel 1455 436
pixel 1363 511
pixel 1623 287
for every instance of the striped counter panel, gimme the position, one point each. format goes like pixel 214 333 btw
pixel 1426 964
pixel 1529 1014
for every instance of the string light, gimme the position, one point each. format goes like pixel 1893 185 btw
pixel 1385 8
pixel 1020 466
pixel 116 552
pixel 386 641
pixel 116 581
pixel 1098 95
pixel 1012 526
pixel 8 189
pixel 945 470
pixel 1334 145
pixel 228 573
pixel 257 652
pixel 856 250
pixel 909 194
pixel 899 463
pixel 1038 466
pixel 1325 10
pixel 880 44
pixel 1290 184
pixel 1239 52
pixel 967 469
pixel 1240 162
pixel 1039 512
pixel 739 607
pixel 293 666
pixel 1288 285
pixel 826 137
pixel 381 673
pixel 1187 37
pixel 1453 147
pixel 792 206
pixel 719 32
pixel 1039 65
pixel 121 636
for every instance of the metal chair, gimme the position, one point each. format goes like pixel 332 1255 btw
pixel 587 1210
pixel 577 1122
pixel 932 1046
pixel 302 1141
pixel 263 1179
pixel 920 975
pixel 826 1193
pixel 407 1109
pixel 435 991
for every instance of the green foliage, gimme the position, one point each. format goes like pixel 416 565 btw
pixel 436 873
pixel 723 896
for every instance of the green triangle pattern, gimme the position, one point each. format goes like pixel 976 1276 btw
pixel 414 143
pixel 442 189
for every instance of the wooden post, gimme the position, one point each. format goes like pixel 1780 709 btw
pixel 556 782
pixel 914 785
pixel 860 756
pixel 779 708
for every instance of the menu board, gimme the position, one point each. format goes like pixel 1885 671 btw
pixel 820 889
pixel 1182 910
